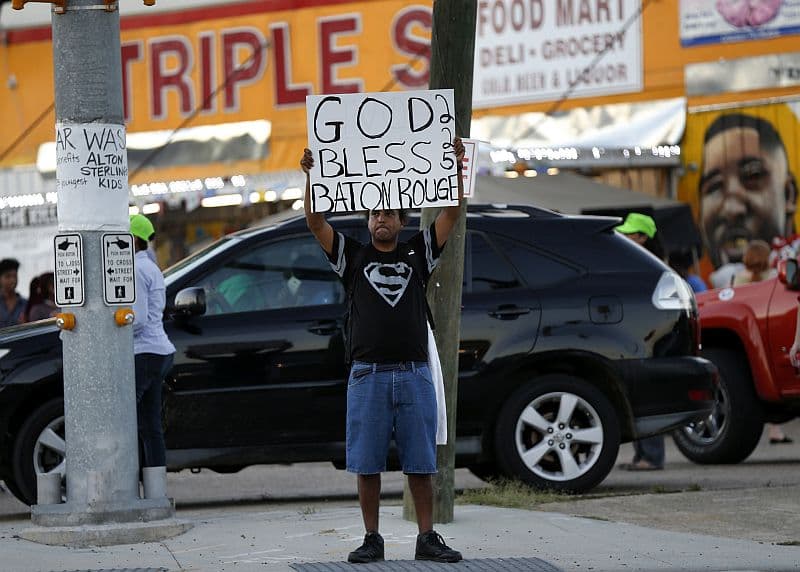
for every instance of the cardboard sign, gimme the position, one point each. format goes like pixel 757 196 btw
pixel 382 150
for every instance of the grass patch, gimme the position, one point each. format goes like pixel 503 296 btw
pixel 592 517
pixel 307 510
pixel 788 543
pixel 509 494
pixel 514 494
pixel 662 490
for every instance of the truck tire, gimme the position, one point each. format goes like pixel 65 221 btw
pixel 732 430
pixel 39 447
pixel 558 433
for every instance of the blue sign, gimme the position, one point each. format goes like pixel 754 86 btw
pixel 705 22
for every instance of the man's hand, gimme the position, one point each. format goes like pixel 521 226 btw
pixel 458 148
pixel 307 162
pixel 793 357
pixel 448 216
pixel 316 222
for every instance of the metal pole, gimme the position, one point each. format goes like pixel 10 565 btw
pixel 102 467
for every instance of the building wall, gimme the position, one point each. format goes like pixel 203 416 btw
pixel 233 61
pixel 179 66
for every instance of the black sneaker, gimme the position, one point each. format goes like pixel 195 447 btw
pixel 370 551
pixel 431 546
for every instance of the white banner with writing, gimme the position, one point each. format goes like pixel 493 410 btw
pixel 470 164
pixel 541 50
pixel 91 176
pixel 382 150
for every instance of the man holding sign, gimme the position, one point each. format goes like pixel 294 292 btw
pixel 390 391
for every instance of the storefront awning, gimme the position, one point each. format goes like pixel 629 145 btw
pixel 574 194
pixel 615 135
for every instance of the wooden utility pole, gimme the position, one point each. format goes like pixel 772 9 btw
pixel 452 57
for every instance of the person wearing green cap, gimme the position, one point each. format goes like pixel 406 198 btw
pixel 638 227
pixel 648 452
pixel 153 352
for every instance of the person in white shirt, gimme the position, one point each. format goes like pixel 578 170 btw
pixel 153 352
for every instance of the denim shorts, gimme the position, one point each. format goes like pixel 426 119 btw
pixel 386 401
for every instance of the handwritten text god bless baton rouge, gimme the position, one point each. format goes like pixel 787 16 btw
pixel 382 150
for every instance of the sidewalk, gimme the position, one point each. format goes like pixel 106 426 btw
pixel 247 538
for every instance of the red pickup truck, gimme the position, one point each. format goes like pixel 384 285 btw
pixel 747 332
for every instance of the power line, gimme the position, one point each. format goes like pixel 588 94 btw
pixel 556 105
pixel 158 150
pixel 592 65
pixel 31 126
pixel 189 118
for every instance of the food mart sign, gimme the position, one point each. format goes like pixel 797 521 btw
pixel 542 50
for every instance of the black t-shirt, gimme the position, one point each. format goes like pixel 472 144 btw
pixel 387 319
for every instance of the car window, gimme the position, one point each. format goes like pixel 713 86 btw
pixel 489 270
pixel 282 274
pixel 537 269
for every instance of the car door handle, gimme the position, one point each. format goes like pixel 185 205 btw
pixel 509 312
pixel 324 327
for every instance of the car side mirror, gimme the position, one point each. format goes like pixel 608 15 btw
pixel 190 302
pixel 787 273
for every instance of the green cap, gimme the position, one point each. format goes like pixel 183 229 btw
pixel 142 227
pixel 637 222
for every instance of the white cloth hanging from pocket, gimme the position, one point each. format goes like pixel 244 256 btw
pixel 438 383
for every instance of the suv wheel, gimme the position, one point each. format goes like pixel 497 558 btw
pixel 558 433
pixel 39 448
pixel 733 428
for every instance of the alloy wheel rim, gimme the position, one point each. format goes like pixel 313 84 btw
pixel 49 451
pixel 707 430
pixel 559 436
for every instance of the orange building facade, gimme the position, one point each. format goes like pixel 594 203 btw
pixel 246 67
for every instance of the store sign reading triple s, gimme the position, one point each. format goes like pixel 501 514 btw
pixel 541 50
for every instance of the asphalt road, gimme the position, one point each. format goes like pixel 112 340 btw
pixel 755 500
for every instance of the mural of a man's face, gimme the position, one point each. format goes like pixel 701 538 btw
pixel 743 192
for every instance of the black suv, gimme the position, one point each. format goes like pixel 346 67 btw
pixel 573 339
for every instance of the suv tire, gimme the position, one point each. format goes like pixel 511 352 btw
pixel 37 447
pixel 732 430
pixel 12 487
pixel 486 472
pixel 571 450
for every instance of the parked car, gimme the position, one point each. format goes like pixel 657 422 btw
pixel 573 339
pixel 747 332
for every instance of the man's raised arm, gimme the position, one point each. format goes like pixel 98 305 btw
pixel 447 217
pixel 316 222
